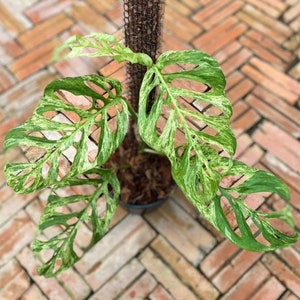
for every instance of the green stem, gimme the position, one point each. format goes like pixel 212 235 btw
pixel 133 113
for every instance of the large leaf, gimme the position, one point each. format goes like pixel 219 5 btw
pixel 57 138
pixel 196 154
pixel 100 44
pixel 65 214
pixel 197 165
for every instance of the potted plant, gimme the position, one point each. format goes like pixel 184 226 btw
pixel 85 190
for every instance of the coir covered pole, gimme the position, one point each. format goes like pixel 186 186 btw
pixel 143 26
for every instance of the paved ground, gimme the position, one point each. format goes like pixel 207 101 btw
pixel 171 253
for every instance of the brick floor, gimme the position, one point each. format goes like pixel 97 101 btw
pixel 171 253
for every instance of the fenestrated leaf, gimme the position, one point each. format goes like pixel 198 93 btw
pixel 100 44
pixel 59 215
pixel 197 165
pixel 259 181
pixel 256 181
pixel 53 136
pixel 196 154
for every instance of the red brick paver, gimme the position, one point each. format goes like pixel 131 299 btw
pixel 171 253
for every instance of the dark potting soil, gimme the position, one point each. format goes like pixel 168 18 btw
pixel 144 178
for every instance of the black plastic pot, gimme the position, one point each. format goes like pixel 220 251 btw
pixel 143 208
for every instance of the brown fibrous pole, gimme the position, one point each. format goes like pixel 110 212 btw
pixel 143 29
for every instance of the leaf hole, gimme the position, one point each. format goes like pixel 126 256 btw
pixel 92 150
pixel 84 189
pixel 50 114
pixel 180 139
pixel 213 111
pixel 198 104
pixel 46 254
pixel 45 169
pixel 95 133
pixel 35 153
pixel 72 221
pixel 115 110
pixel 29 181
pixel 190 85
pixel 98 120
pixel 64 167
pixel 261 239
pixel 70 154
pixel 77 206
pixel 188 66
pixel 101 207
pixel 174 68
pixel 57 265
pixel 78 101
pixel 52 135
pixel 61 209
pixel 113 125
pixel 96 88
pixel 104 90
pixel 195 123
pixel 83 237
pixel 228 212
pixel 165 111
pixel 55 230
pixel 279 224
pixel 67 117
pixel 228 181
pixel 160 124
pixel 209 130
pixel 99 104
pixel 251 226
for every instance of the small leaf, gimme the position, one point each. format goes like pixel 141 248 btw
pixel 64 255
pixel 260 181
pixel 100 44
pixel 256 181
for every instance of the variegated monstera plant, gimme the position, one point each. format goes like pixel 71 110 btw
pixel 85 193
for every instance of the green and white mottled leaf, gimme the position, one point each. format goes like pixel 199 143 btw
pixel 65 222
pixel 56 137
pixel 197 166
pixel 197 155
pixel 100 44
pixel 257 181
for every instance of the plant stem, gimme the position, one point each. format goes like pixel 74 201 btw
pixel 133 113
